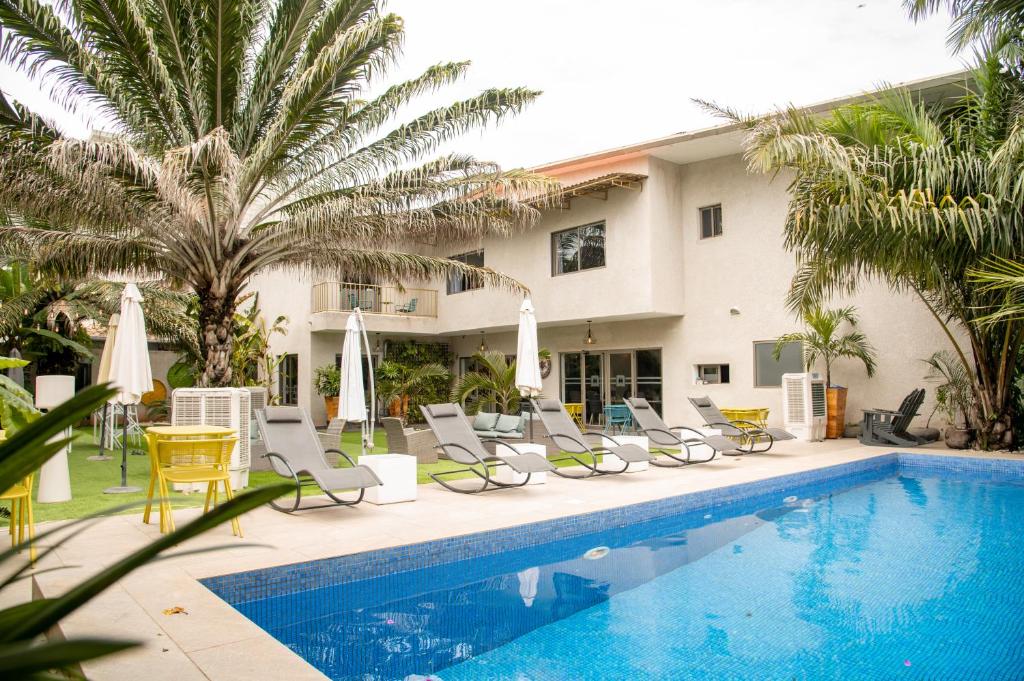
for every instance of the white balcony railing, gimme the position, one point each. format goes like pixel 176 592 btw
pixel 340 296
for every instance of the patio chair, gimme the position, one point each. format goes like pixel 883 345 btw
pixel 401 440
pixel 408 308
pixel 673 441
pixel 457 440
pixel 331 437
pixel 750 438
pixel 562 430
pixel 617 416
pixel 883 427
pixel 295 452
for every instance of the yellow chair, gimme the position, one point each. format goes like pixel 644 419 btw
pixel 190 462
pixel 20 497
pixel 575 410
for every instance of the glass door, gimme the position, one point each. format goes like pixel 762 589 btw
pixel 593 392
pixel 620 376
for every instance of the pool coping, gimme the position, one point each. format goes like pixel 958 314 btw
pixel 218 642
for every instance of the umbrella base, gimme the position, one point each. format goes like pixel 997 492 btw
pixel 98 457
pixel 122 490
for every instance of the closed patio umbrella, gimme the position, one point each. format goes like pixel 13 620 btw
pixel 16 374
pixel 102 376
pixel 528 380
pixel 352 393
pixel 130 371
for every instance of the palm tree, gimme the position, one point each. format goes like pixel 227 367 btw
pixel 492 385
pixel 397 381
pixel 822 340
pixel 916 195
pixel 973 19
pixel 243 137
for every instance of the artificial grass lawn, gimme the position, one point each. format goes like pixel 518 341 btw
pixel 90 478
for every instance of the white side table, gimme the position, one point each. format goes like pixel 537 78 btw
pixel 397 472
pixel 507 476
pixel 610 462
pixel 704 451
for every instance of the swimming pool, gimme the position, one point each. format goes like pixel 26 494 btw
pixel 900 566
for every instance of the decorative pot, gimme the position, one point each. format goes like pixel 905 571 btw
pixel 332 407
pixel 958 438
pixel 835 399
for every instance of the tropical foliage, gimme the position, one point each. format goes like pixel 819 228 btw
pixel 916 194
pixel 25 652
pixel 952 387
pixel 823 341
pixel 403 387
pixel 327 380
pixel 492 386
pixel 242 137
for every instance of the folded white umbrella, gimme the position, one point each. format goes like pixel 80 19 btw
pixel 351 397
pixel 102 376
pixel 130 371
pixel 528 380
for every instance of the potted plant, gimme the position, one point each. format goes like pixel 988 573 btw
pixel 953 397
pixel 822 340
pixel 396 381
pixel 327 381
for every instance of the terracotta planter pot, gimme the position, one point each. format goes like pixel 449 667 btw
pixel 835 399
pixel 332 407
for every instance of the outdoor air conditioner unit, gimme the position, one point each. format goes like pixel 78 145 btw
pixel 225 407
pixel 803 406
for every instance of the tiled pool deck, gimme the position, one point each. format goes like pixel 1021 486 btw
pixel 213 641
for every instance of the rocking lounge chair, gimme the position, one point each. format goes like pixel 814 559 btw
pixel 673 442
pixel 295 452
pixel 565 434
pixel 457 440
pixel 749 437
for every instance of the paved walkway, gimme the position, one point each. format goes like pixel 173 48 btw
pixel 214 642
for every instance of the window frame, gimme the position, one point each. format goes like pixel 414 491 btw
pixel 727 373
pixel 288 379
pixel 718 229
pixel 753 348
pixel 466 280
pixel 604 248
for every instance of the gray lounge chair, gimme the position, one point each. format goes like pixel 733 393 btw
pixel 673 441
pixel 750 439
pixel 883 428
pixel 562 430
pixel 457 440
pixel 295 452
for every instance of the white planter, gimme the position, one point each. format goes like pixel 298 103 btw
pixel 54 475
pixel 507 476
pixel 610 462
pixel 397 472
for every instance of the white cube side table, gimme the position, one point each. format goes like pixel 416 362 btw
pixel 397 472
pixel 703 451
pixel 507 476
pixel 610 462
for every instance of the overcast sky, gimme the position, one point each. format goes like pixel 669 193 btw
pixel 614 73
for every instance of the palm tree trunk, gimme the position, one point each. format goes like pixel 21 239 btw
pixel 217 327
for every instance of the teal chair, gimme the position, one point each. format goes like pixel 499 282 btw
pixel 617 416
pixel 408 308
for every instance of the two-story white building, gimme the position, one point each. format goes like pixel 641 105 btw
pixel 663 274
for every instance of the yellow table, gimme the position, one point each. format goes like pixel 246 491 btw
pixel 758 415
pixel 158 433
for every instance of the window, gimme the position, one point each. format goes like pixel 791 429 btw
pixel 468 365
pixel 711 221
pixel 457 283
pixel 577 249
pixel 767 371
pixel 288 380
pixel 712 373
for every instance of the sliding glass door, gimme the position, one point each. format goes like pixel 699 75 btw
pixel 594 379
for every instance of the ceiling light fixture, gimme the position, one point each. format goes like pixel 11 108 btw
pixel 589 340
pixel 483 342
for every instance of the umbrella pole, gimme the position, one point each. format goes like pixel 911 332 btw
pixel 104 416
pixel 124 488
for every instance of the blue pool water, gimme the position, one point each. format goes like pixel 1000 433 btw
pixel 900 569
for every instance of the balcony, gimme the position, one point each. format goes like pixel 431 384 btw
pixel 340 296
